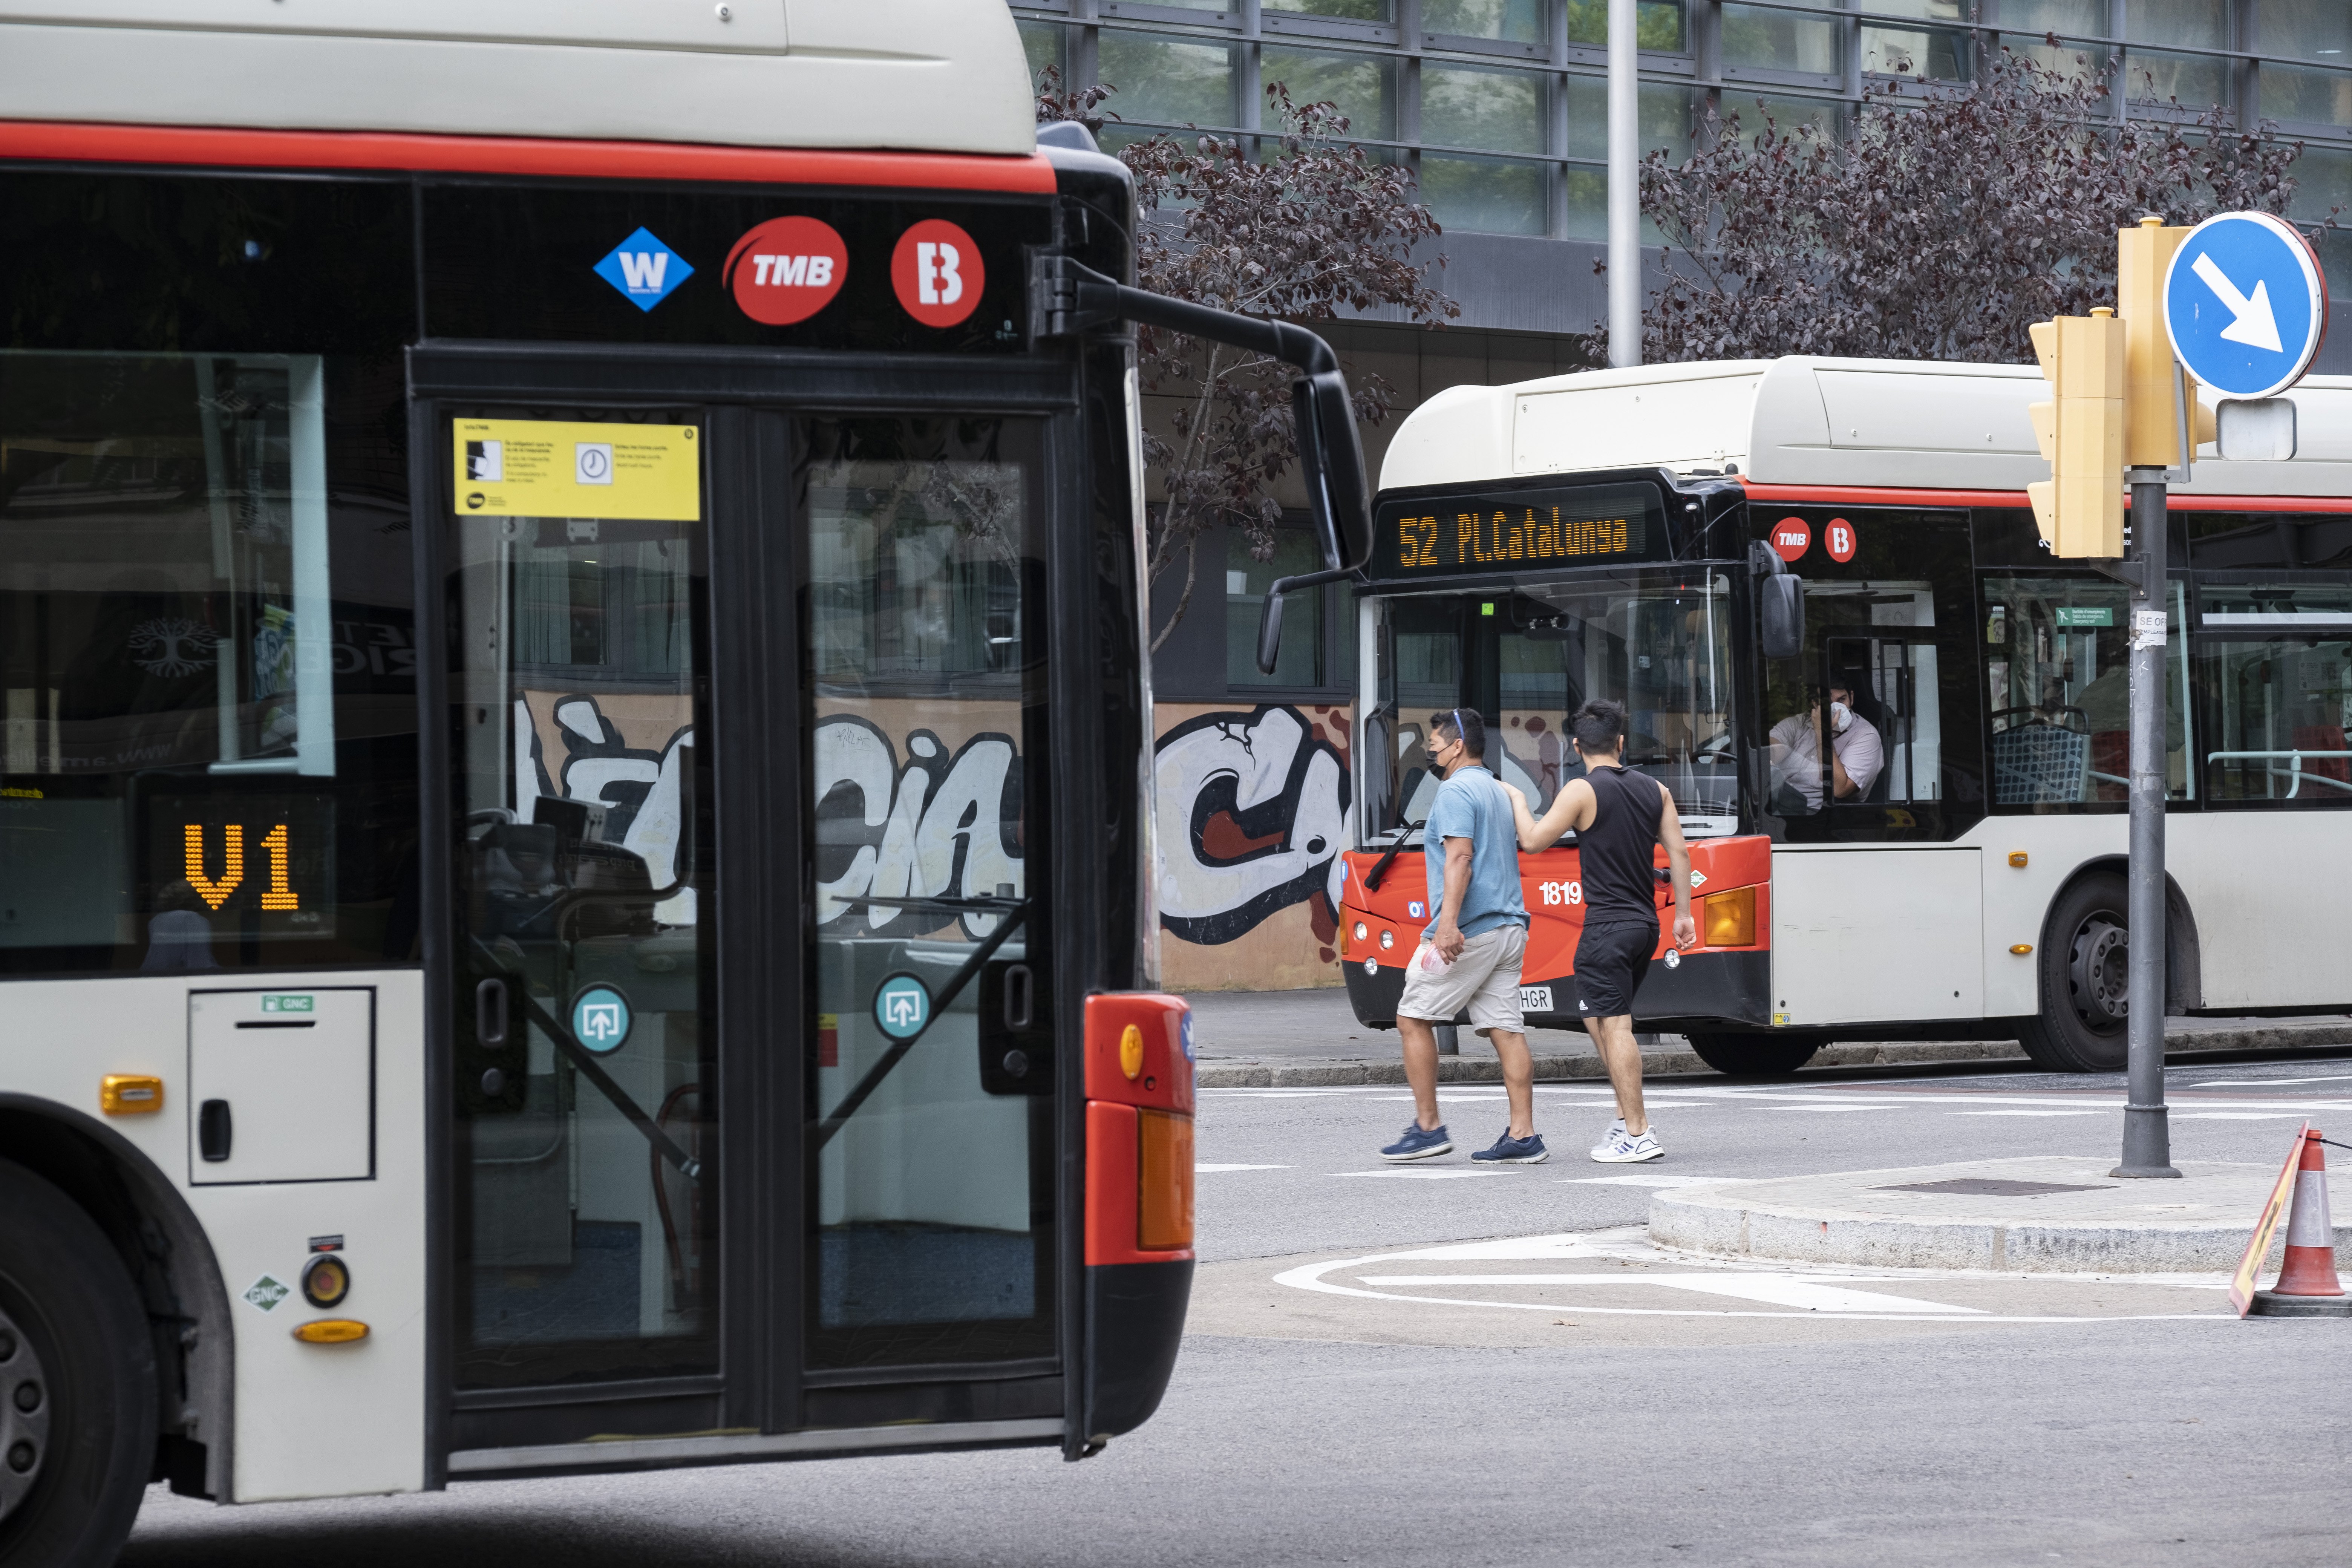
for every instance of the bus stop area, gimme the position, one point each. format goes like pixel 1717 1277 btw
pixel 1282 1039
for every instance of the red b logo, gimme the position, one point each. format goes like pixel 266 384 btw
pixel 1792 537
pixel 1838 538
pixel 936 270
pixel 787 269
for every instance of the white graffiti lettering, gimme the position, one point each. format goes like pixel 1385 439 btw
pixel 1252 814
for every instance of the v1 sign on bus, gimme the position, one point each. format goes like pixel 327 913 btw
pixel 2245 303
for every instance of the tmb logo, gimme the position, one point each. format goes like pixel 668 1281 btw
pixel 1792 536
pixel 643 269
pixel 787 269
pixel 936 273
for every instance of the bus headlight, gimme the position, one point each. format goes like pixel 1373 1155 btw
pixel 1388 940
pixel 1728 919
pixel 1362 931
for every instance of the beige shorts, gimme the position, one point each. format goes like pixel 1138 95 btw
pixel 1484 979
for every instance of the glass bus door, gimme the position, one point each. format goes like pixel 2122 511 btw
pixel 754 1120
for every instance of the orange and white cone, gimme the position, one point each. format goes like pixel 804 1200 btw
pixel 2309 1269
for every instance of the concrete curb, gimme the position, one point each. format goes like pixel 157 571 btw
pixel 1846 1220
pixel 1482 1067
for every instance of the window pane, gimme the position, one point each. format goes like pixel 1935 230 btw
pixel 1785 113
pixel 1300 661
pixel 1881 715
pixel 1775 40
pixel 2278 686
pixel 1486 195
pixel 2064 18
pixel 1513 21
pixel 2321 98
pixel 1167 83
pixel 1906 51
pixel 1496 110
pixel 2197 81
pixel 2197 21
pixel 1364 85
pixel 1662 111
pixel 1042 42
pixel 1354 10
pixel 1657 24
pixel 2324 180
pixel 2305 29
pixel 2058 685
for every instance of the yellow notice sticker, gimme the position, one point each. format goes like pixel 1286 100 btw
pixel 549 467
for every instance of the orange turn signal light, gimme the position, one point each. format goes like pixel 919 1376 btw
pixel 331 1332
pixel 2020 947
pixel 129 1094
pixel 1728 919
pixel 2017 859
pixel 1130 1052
pixel 1163 1206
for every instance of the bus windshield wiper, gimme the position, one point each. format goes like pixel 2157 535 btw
pixel 1380 867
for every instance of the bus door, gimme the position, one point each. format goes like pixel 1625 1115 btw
pixel 752 1065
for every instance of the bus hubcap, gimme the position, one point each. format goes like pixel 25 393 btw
pixel 2102 972
pixel 24 1416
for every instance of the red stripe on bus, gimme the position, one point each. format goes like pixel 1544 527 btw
pixel 408 151
pixel 1866 495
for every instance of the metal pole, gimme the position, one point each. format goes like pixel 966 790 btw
pixel 1448 1043
pixel 2147 1136
pixel 1624 190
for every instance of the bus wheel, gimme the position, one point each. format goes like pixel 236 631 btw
pixel 1757 1056
pixel 76 1383
pixel 2083 970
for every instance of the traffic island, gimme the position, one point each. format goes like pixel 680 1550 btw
pixel 2041 1215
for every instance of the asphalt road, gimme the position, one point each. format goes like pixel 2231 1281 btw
pixel 2058 1420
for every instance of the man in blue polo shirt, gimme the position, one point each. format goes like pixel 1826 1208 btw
pixel 1470 955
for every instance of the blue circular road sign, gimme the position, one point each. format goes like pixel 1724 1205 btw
pixel 902 1005
pixel 2245 303
pixel 601 1018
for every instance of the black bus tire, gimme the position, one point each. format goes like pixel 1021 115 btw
pixel 2080 973
pixel 78 1388
pixel 1756 1055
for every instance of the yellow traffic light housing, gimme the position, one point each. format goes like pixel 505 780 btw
pixel 2080 508
pixel 2154 384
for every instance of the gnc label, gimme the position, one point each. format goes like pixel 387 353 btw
pixel 936 270
pixel 1792 537
pixel 787 269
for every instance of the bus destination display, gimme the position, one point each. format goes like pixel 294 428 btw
pixel 1519 531
pixel 259 862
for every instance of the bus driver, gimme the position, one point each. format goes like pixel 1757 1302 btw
pixel 1856 750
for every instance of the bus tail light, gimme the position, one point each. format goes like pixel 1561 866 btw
pixel 1163 1198
pixel 1728 919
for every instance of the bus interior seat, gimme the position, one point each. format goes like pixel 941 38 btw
pixel 2040 764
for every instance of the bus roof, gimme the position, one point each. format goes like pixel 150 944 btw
pixel 945 76
pixel 1850 422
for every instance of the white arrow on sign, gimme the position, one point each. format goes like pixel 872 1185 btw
pixel 2253 323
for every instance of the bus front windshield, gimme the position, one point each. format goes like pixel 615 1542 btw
pixel 1528 658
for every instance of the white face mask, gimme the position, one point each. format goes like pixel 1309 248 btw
pixel 1840 717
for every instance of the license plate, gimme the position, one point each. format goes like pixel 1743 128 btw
pixel 1535 998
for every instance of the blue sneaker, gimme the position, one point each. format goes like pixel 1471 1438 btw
pixel 1510 1150
pixel 1419 1143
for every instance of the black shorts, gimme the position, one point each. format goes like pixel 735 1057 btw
pixel 1610 960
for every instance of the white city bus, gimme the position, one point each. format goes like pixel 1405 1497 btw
pixel 569 589
pixel 1616 534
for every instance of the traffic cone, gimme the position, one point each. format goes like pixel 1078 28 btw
pixel 2310 1265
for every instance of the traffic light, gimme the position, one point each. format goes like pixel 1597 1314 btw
pixel 2080 508
pixel 2152 421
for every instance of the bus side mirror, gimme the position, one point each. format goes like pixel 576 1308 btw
pixel 1269 632
pixel 1331 462
pixel 1782 604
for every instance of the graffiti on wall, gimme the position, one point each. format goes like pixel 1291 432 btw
pixel 933 824
pixel 1254 810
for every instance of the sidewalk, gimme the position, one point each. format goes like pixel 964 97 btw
pixel 2044 1214
pixel 1281 1039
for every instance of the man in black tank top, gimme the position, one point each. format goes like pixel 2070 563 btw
pixel 1619 817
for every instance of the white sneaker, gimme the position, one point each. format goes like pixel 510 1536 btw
pixel 1622 1148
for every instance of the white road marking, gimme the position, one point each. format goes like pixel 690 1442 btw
pixel 2095 1111
pixel 1418 1176
pixel 1657 1181
pixel 1205 1169
pixel 2267 1082
pixel 1775 1289
pixel 2234 1116
pixel 1833 1110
